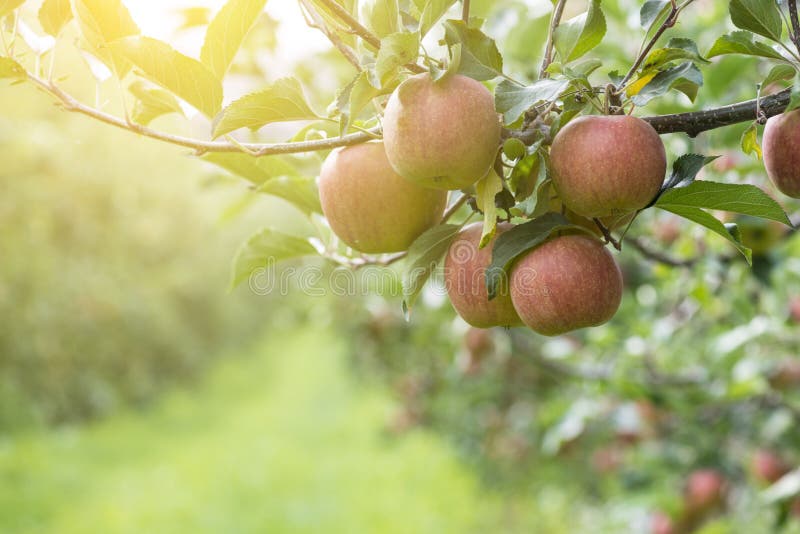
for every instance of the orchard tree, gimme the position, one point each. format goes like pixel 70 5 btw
pixel 522 176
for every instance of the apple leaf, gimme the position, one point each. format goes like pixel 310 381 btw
pixel 11 69
pixel 779 73
pixel 282 101
pixel 480 59
pixel 758 16
pixel 185 77
pixel 685 77
pixel 432 12
pixel 518 240
pixel 252 169
pixel 513 100
pixel 299 191
pixel 152 103
pixel 102 22
pixel 684 171
pixel 54 15
pixel 264 250
pixel 396 50
pixel 794 96
pixel 737 198
pixel 227 32
pixel 677 48
pixel 580 34
pixel 709 221
pixel 382 17
pixel 7 6
pixel 750 141
pixel 742 42
pixel 423 256
pixel 651 11
pixel 486 190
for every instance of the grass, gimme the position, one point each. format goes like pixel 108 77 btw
pixel 280 441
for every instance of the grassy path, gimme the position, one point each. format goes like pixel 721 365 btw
pixel 280 441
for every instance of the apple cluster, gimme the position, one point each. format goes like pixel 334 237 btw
pixel 443 135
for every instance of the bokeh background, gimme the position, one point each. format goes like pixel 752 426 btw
pixel 137 394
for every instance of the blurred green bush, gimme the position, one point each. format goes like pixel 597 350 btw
pixel 113 266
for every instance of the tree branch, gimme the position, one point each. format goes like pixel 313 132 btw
pixel 795 30
pixel 318 23
pixel 696 122
pixel 558 11
pixel 201 147
pixel 658 256
pixel 465 11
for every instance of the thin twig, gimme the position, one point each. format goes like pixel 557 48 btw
pixel 658 256
pixel 795 31
pixel 555 20
pixel 465 11
pixel 452 210
pixel 318 23
pixel 201 147
pixel 669 22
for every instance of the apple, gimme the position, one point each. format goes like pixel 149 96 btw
pixel 465 280
pixel 781 146
pixel 369 206
pixel 661 523
pixel 607 165
pixel 768 467
pixel 705 489
pixel 786 374
pixel 441 134
pixel 569 282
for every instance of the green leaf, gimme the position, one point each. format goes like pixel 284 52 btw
pixel 54 15
pixel 685 169
pixel 480 58
pixel 227 32
pixel 152 103
pixel 300 191
pixel 187 78
pixel 794 95
pixel 686 78
pixel 102 22
pixel 433 11
pixel 737 198
pixel 255 170
pixel 423 256
pixel 750 141
pixel 357 95
pixel 705 219
pixel 396 50
pixel 282 101
pixel 486 189
pixel 11 69
pixel 517 241
pixel 742 42
pixel 7 6
pixel 779 73
pixel 758 16
pixel 580 34
pixel 382 17
pixel 513 100
pixel 651 11
pixel 676 49
pixel 264 250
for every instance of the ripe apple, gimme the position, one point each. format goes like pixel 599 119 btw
pixel 369 206
pixel 781 145
pixel 567 283
pixel 607 165
pixel 443 134
pixel 705 489
pixel 465 279
pixel 768 467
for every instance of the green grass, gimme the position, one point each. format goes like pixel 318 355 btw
pixel 279 441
